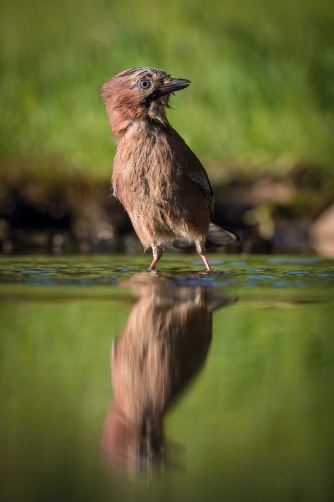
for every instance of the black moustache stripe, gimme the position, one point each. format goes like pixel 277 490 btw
pixel 152 97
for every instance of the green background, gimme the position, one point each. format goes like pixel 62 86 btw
pixel 262 73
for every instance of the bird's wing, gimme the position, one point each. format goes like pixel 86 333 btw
pixel 203 183
pixel 217 235
pixel 191 165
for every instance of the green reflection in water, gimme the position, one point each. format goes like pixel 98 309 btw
pixel 256 424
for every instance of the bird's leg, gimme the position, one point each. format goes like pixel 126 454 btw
pixel 200 248
pixel 157 254
pixel 204 258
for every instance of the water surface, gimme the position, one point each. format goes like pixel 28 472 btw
pixel 220 386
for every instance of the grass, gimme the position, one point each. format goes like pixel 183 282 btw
pixel 262 93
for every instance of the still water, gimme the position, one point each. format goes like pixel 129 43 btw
pixel 120 384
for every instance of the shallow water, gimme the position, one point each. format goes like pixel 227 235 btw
pixel 222 383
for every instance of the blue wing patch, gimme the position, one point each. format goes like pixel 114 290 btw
pixel 203 182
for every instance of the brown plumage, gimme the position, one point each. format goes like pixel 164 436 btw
pixel 160 182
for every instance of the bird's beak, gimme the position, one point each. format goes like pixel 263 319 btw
pixel 172 84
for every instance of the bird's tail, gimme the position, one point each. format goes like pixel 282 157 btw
pixel 217 236
pixel 220 236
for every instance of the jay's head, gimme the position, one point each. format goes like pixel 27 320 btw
pixel 138 94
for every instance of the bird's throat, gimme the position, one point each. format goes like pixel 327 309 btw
pixel 157 111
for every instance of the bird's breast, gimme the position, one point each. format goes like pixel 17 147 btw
pixel 145 165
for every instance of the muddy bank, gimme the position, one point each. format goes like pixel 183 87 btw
pixel 64 214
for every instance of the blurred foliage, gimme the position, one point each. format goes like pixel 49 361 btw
pixel 262 72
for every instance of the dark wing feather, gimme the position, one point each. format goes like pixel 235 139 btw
pixel 217 235
pixel 203 183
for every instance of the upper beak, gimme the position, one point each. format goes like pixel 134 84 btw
pixel 172 84
pixel 175 84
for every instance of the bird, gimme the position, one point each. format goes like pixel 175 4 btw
pixel 158 179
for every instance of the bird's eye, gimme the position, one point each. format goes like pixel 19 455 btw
pixel 145 84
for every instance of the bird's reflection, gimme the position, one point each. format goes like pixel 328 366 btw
pixel 163 346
